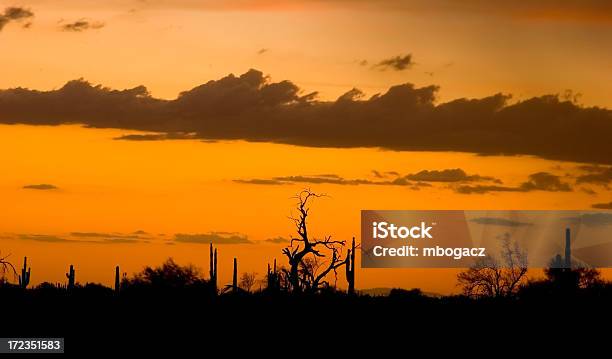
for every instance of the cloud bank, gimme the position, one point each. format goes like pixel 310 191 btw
pixel 251 107
pixel 414 181
pixel 456 179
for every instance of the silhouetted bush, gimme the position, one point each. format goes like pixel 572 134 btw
pixel 169 279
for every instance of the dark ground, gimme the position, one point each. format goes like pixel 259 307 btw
pixel 176 323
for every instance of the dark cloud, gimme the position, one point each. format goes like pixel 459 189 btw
pixel 354 94
pixel 82 25
pixel 14 14
pixel 602 205
pixel 121 240
pixel 377 174
pixel 540 181
pixel 599 175
pixel 261 181
pixel 108 236
pixel 592 219
pixel 481 189
pixel 277 240
pixel 88 237
pixel 314 179
pixel 448 175
pixel 42 238
pixel 214 237
pixel 588 191
pixel 41 187
pixel 250 107
pixel 544 181
pixel 499 222
pixel 320 179
pixel 415 181
pixel 397 63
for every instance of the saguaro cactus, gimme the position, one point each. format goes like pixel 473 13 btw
pixel 213 266
pixel 70 276
pixel 273 278
pixel 235 277
pixel 24 278
pixel 117 280
pixel 350 268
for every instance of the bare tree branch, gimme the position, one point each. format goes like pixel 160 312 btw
pixel 311 260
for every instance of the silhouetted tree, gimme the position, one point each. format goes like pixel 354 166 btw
pixel 6 266
pixel 168 275
pixel 310 260
pixel 576 277
pixel 492 277
pixel 247 281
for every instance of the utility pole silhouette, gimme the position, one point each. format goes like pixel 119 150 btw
pixel 568 250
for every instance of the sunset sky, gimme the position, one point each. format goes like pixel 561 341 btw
pixel 96 177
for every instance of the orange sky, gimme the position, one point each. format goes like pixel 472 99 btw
pixel 163 188
pixel 169 187
pixel 171 46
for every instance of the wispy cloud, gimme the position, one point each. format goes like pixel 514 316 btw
pixel 540 181
pixel 602 205
pixel 544 181
pixel 158 136
pixel 261 181
pixel 397 63
pixel 597 175
pixel 499 222
pixel 482 189
pixel 42 238
pixel 592 219
pixel 40 187
pixel 82 25
pixel 15 14
pixel 449 175
pixel 213 237
pixel 390 178
pixel 277 240
pixel 88 237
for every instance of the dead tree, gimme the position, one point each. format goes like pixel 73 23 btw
pixel 247 281
pixel 492 277
pixel 6 266
pixel 310 260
